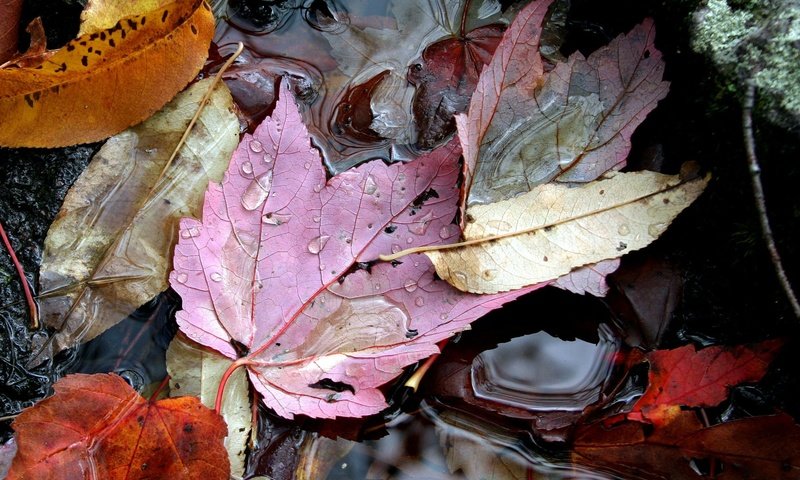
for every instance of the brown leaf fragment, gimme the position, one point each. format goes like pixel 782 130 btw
pixel 9 23
pixel 103 82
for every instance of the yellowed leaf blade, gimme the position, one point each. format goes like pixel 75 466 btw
pixel 196 370
pixel 101 83
pixel 553 229
pixel 99 15
pixel 109 249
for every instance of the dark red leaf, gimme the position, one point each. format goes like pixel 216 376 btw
pixel 685 377
pixel 445 77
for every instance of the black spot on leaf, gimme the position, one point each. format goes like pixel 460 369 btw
pixel 328 384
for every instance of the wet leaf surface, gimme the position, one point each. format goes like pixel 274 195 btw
pixel 97 427
pixel 320 340
pixel 757 447
pixel 103 258
pixel 37 103
pixel 687 377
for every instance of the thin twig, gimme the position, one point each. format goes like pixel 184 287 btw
pixel 758 194
pixel 32 308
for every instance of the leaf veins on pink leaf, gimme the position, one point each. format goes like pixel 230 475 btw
pixel 271 269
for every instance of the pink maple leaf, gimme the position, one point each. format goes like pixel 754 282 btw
pixel 271 275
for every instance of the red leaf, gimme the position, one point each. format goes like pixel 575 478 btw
pixel 9 26
pixel 757 447
pixel 685 377
pixel 445 77
pixel 98 427
pixel 273 270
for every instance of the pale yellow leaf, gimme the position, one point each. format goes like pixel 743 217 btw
pixel 102 14
pixel 195 370
pixel 109 249
pixel 553 229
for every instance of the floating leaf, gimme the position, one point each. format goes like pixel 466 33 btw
pixel 553 229
pixel 272 275
pixel 108 250
pixel 196 371
pixel 685 377
pixel 75 95
pixel 98 428
pixel 757 447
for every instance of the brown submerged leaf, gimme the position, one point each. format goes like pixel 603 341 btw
pixel 108 250
pixel 553 229
pixel 103 82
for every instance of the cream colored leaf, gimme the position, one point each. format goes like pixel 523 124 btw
pixel 197 371
pixel 109 249
pixel 102 14
pixel 553 229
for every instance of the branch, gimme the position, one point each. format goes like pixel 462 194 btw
pixel 758 194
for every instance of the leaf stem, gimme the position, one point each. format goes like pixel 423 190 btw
pixel 200 108
pixel 758 194
pixel 224 381
pixel 32 307
pixel 415 379
pixel 159 388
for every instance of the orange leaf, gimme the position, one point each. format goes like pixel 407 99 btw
pixel 98 427
pixel 101 83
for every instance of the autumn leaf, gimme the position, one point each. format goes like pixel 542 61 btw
pixel 554 228
pixel 445 77
pixel 74 96
pixel 281 273
pixel 685 377
pixel 100 15
pixel 757 447
pixel 196 371
pixel 571 125
pixel 108 250
pixel 97 427
pixel 9 27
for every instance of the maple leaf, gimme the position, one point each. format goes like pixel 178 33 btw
pixel 756 447
pixel 686 377
pixel 98 428
pixel 266 274
pixel 68 98
pixel 572 125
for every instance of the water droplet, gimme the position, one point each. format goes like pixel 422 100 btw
pixel 419 301
pixel 461 278
pixel 377 286
pixel 246 168
pixel 190 232
pixel 396 248
pixel 410 285
pixel 216 277
pixel 257 192
pixel 256 146
pixel 275 218
pixel 416 264
pixel 421 226
pixel 656 229
pixel 306 165
pixel 370 187
pixel 317 244
pixel 623 229
pixel 443 316
pixel 444 232
pixel 401 177
pixel 316 218
pixel 268 158
pixel 317 188
pixel 499 225
pixel 409 240
pixel 181 278
pixel 322 267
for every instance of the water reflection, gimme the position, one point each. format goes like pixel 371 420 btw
pixel 542 372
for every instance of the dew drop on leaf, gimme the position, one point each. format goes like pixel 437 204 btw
pixel 216 277
pixel 410 285
pixel 317 244
pixel 370 187
pixel 623 229
pixel 190 232
pixel 246 168
pixel 396 248
pixel 421 226
pixel 182 277
pixel 444 232
pixel 268 158
pixel 256 193
pixel 317 188
pixel 419 301
pixel 256 146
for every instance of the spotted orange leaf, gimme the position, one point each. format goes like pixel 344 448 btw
pixel 97 427
pixel 103 82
